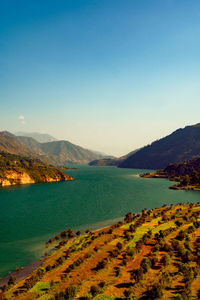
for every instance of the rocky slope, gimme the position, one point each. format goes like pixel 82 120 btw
pixel 181 145
pixel 16 170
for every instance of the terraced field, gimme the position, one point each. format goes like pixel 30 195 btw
pixel 151 255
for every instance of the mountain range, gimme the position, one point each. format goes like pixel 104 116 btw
pixel 39 137
pixel 181 145
pixel 111 161
pixel 54 152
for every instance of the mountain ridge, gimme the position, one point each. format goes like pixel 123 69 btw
pixel 55 152
pixel 181 145
pixel 39 137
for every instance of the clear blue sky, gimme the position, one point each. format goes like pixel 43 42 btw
pixel 109 75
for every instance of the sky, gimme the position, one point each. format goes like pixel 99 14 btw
pixel 108 75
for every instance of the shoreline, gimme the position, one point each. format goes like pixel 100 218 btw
pixel 25 271
pixel 177 187
pixel 22 273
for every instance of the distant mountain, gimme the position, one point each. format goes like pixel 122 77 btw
pixel 102 154
pixel 111 161
pixel 181 145
pixel 30 143
pixel 39 137
pixel 10 144
pixel 56 152
pixel 64 152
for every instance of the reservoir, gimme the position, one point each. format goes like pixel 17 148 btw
pixel 31 214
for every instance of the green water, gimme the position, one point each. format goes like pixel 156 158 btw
pixel 30 215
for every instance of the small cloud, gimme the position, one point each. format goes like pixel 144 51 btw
pixel 22 119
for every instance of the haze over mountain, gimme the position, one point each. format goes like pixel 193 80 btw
pixel 56 152
pixel 40 137
pixel 111 161
pixel 9 143
pixel 181 145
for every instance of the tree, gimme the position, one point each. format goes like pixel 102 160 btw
pixel 137 275
pixel 94 290
pixel 70 292
pixel 145 264
pixel 155 292
pixel 11 280
pixel 186 180
pixel 165 259
pixel 128 218
pixel 70 233
pixel 63 234
pixel 119 245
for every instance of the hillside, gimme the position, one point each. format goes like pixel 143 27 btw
pixel 152 255
pixel 10 144
pixel 31 144
pixel 64 152
pixel 15 169
pixel 181 145
pixel 55 152
pixel 59 152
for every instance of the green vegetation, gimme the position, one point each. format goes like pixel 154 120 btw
pixel 186 173
pixel 152 255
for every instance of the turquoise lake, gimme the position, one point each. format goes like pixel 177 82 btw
pixel 31 214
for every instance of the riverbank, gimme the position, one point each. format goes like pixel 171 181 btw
pixel 97 194
pixel 21 273
pixel 105 263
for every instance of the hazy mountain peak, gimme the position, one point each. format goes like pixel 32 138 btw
pixel 39 137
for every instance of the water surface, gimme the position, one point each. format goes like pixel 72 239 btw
pixel 31 214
